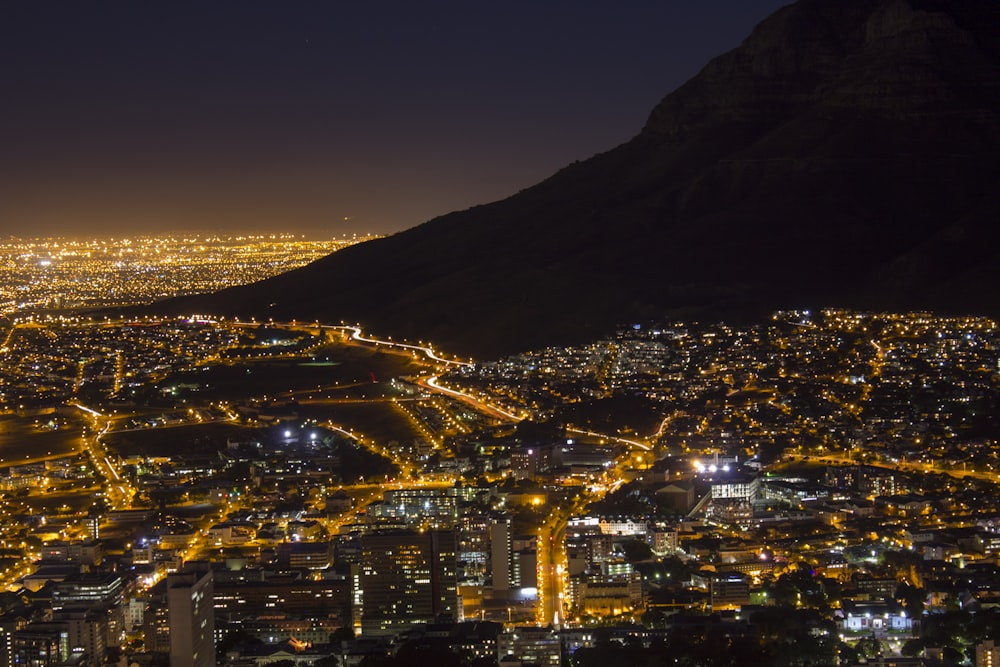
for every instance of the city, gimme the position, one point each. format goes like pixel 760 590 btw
pixel 525 334
pixel 65 274
pixel 819 488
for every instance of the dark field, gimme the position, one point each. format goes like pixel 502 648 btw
pixel 345 370
pixel 379 421
pixel 348 385
pixel 64 501
pixel 175 440
pixel 23 440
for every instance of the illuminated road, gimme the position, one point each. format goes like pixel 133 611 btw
pixel 28 324
pixel 432 383
pixel 5 346
pixel 117 491
pixel 897 465
pixel 614 438
pixel 427 350
pixel 552 532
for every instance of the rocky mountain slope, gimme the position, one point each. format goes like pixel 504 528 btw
pixel 846 154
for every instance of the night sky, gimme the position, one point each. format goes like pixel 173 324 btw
pixel 322 118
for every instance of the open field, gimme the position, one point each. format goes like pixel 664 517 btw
pixel 27 439
pixel 177 440
pixel 342 371
pixel 67 502
pixel 380 421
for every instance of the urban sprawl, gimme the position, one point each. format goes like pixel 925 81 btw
pixel 817 489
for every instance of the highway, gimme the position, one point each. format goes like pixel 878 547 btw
pixel 118 492
pixel 357 335
pixel 433 384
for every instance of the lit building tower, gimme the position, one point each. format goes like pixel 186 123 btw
pixel 93 523
pixel 407 577
pixel 9 624
pixel 192 617
pixel 500 556
pixel 39 644
pixel 987 654
pixel 514 563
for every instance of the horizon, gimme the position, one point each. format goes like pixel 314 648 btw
pixel 152 120
pixel 177 234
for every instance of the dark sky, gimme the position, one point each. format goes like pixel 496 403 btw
pixel 322 117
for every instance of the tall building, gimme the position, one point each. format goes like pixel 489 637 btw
pixel 514 561
pixel 92 524
pixel 192 618
pixel 87 630
pixel 987 654
pixel 500 551
pixel 40 645
pixel 88 588
pixel 295 596
pixel 156 620
pixel 405 578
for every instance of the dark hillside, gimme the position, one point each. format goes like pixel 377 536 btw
pixel 846 154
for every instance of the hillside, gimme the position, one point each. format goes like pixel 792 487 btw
pixel 846 154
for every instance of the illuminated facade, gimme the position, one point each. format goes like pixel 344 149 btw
pixel 530 645
pixel 405 578
pixel 987 654
pixel 192 619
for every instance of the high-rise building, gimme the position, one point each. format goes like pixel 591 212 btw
pixel 500 552
pixel 87 631
pixel 192 618
pixel 514 562
pixel 987 654
pixel 40 644
pixel 92 524
pixel 291 595
pixel 407 577
pixel 88 588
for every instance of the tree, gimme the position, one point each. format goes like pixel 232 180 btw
pixel 912 599
pixel 654 618
pixel 345 633
pixel 636 550
pixel 868 647
pixel 912 647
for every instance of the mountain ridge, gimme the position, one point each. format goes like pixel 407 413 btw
pixel 845 154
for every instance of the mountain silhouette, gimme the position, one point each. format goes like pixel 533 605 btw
pixel 847 154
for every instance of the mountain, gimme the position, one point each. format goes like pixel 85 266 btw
pixel 846 154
